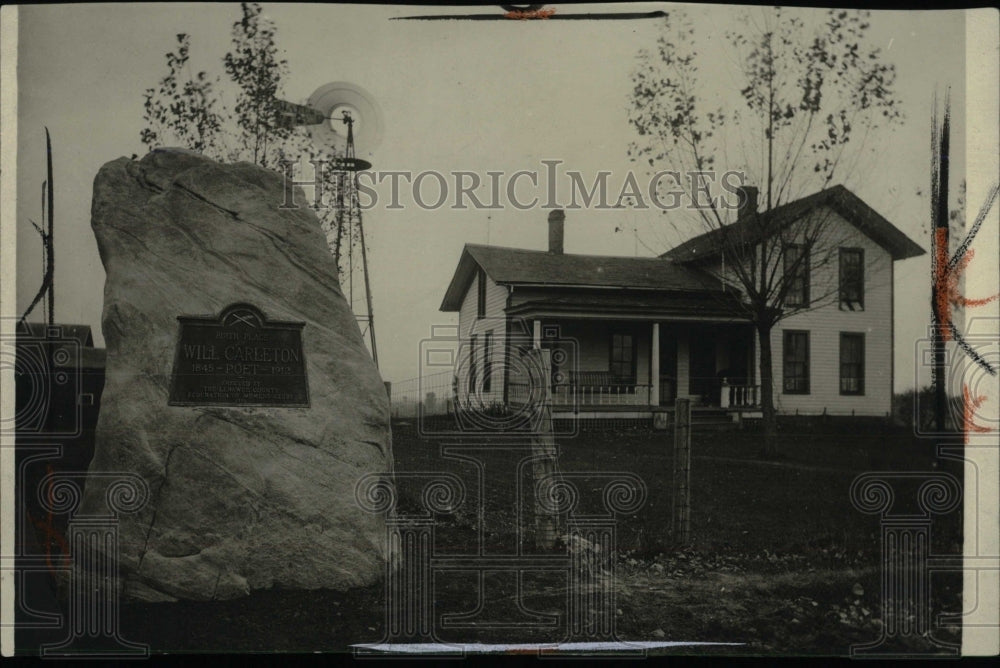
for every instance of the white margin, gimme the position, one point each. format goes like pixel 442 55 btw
pixel 8 303
pixel 981 587
pixel 461 649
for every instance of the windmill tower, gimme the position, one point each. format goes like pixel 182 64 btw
pixel 351 118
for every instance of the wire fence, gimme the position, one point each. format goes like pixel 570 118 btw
pixel 427 395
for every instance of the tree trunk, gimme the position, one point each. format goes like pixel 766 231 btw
pixel 769 449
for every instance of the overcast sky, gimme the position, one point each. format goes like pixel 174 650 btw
pixel 471 95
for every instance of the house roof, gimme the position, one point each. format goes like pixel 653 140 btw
pixel 70 346
pixel 838 198
pixel 79 333
pixel 517 266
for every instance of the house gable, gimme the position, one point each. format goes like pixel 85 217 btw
pixel 824 320
pixel 464 274
pixel 482 338
pixel 838 198
pixel 828 321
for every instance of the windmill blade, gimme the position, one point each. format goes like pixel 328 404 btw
pixel 331 101
pixel 291 114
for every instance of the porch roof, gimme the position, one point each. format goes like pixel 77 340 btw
pixel 517 266
pixel 636 306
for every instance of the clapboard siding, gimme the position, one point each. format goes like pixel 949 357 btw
pixel 825 324
pixel 469 323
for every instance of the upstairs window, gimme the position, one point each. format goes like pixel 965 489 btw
pixel 852 279
pixel 481 294
pixel 751 261
pixel 796 259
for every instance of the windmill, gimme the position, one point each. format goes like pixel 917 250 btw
pixel 350 117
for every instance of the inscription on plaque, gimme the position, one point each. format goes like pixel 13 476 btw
pixel 239 359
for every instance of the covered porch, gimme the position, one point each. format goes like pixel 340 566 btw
pixel 615 364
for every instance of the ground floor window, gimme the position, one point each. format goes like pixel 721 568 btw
pixel 487 361
pixel 852 363
pixel 623 357
pixel 473 341
pixel 796 366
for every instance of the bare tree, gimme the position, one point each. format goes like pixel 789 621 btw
pixel 805 96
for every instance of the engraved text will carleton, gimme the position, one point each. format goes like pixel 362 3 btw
pixel 239 359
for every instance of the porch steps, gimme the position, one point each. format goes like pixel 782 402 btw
pixel 710 418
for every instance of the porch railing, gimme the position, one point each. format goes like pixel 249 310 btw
pixel 739 396
pixel 630 394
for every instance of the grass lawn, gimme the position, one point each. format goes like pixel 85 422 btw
pixel 777 556
pixel 779 561
pixel 797 504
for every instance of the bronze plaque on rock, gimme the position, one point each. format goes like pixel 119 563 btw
pixel 239 359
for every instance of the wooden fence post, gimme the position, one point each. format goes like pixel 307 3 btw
pixel 543 449
pixel 681 511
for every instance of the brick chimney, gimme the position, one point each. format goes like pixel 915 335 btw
pixel 556 220
pixel 748 200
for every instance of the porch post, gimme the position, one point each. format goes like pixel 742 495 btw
pixel 537 335
pixel 654 371
pixel 683 364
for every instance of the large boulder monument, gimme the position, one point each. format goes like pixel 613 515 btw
pixel 238 386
